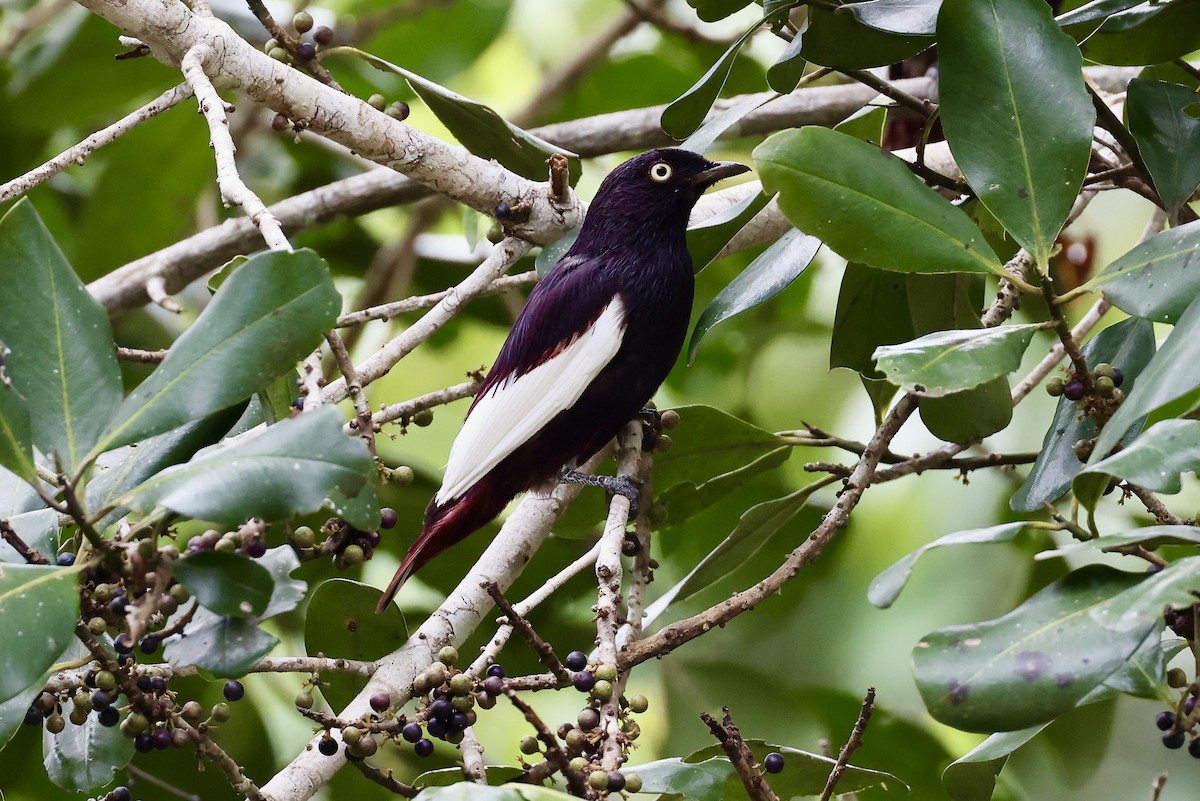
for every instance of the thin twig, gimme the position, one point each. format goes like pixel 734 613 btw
pixel 30 555
pixel 205 746
pixel 406 409
pixel 362 409
pixel 852 744
pixel 740 756
pixel 386 781
pixel 1162 515
pixel 140 356
pixel 522 626
pixel 136 775
pixel 554 753
pixel 387 311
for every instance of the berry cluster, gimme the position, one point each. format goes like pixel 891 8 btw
pixel 347 545
pixel 1106 379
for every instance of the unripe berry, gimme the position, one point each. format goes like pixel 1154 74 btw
pixel 55 723
pixel 423 417
pixel 353 555
pixel 605 672
pixel 1176 677
pixel 1104 386
pixel 192 712
pixel 598 780
pixel 603 690
pixel 461 684
pixel 78 715
pixel 633 783
pixel 304 700
pixel 279 54
pixel 448 655
pixel 529 744
pixel 588 719
pixel 270 45
pixel 302 22
pixel 221 712
pixel 351 735
pixel 669 421
pixel 402 476
pixel 1103 370
pixel 304 536
pixel 1055 386
pixel 97 626
pixel 638 704
pixel 578 764
pixel 399 111
pixel 105 680
pixel 377 101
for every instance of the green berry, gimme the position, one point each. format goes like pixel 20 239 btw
pixel 302 22
pixel 448 655
pixel 403 476
pixel 221 712
pixel 423 417
pixel 1104 386
pixel 135 723
pixel 1102 370
pixel 638 704
pixel 97 626
pixel 1177 678
pixel 353 555
pixel 663 443
pixel 633 783
pixel 79 715
pixel 105 680
pixel 1054 387
pixel 304 537
pixel 351 735
pixel 270 45
pixel 304 700
pixel 529 744
pixel 588 718
pixel 575 740
pixel 462 703
pixel 598 780
pixel 365 747
pixel 602 690
pixel 605 672
pixel 279 54
pixel 180 593
pixel 435 674
pixel 227 544
pixel 55 723
pixel 461 684
pixel 578 764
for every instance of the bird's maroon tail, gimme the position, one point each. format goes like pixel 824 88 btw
pixel 445 526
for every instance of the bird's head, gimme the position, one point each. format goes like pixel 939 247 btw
pixel 659 188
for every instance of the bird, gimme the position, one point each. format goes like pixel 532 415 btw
pixel 594 341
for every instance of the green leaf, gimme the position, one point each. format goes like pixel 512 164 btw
pixel 81 759
pixel 1149 34
pixel 1095 10
pixel 470 791
pixel 685 500
pixel 757 526
pixel 713 10
pixel 477 127
pixel 1030 665
pixel 769 274
pixel 226 646
pixel 286 592
pixel 266 316
pixel 946 362
pixel 841 41
pixel 1141 606
pixel 60 355
pixel 1156 461
pixel 38 609
pixel 886 587
pixel 872 310
pixel 1151 537
pixel 226 583
pixel 685 113
pixel 1144 674
pixel 1025 157
pixel 966 417
pixel 972 777
pixel 12 711
pixel 16 437
pixel 710 443
pixel 784 75
pixel 917 17
pixel 1153 280
pixel 706 239
pixel 1167 138
pixel 867 206
pixel 867 124
pixel 700 140
pixel 37 529
pixel 341 624
pixel 285 469
pixel 1128 346
pixel 496 776
pixel 1170 374
pixel 705 777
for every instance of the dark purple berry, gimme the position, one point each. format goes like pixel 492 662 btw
pixel 411 732
pixel 109 716
pixel 117 607
pixel 256 549
pixel 380 702
pixel 584 681
pixel 158 684
pixel 120 793
pixel 101 700
pixel 773 763
pixel 493 685
pixel 371 538
pixel 438 728
pixel 1165 720
pixel 423 747
pixel 121 643
pixel 1073 389
pixel 459 721
pixel 387 517
pixel 323 35
pixel 576 660
pixel 495 670
pixel 328 746
pixel 143 743
pixel 1189 705
pixel 1194 748
pixel 66 559
pixel 503 211
pixel 1118 377
pixel 143 684
pixel 306 51
pixel 33 716
pixel 149 644
pixel 441 709
pixel 616 781
pixel 162 739
pixel 1174 739
pixel 234 690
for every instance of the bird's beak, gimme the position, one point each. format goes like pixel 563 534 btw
pixel 717 172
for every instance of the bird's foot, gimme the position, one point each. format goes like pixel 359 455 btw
pixel 651 420
pixel 627 486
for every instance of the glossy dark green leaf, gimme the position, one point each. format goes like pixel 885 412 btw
pixel 707 239
pixel 1026 157
pixel 1148 34
pixel 469 791
pixel 769 274
pixel 226 646
pixel 81 759
pixel 685 113
pixel 898 16
pixel 59 353
pixel 872 310
pixel 496 776
pixel 226 583
pixel 286 469
pixel 1154 280
pixel 757 526
pixel 1167 138
pixel 341 624
pixel 867 124
pixel 37 529
pixel 286 592
pixel 476 126
pixel 703 776
pixel 841 41
pixel 360 510
pixel 1144 674
pixel 267 316
pixel 700 140
pixel 709 443
pixel 713 10
pixel 886 587
pixel 784 75
pixel 12 711
pixel 1170 374
pixel 1150 537
pixel 1156 460
pixel 972 777
pixel 1030 665
pixel 17 495
pixel 1128 346
pixel 38 608
pixel 1095 10
pixel 946 362
pixel 867 205
pixel 16 435
pixel 1141 606
pixel 685 499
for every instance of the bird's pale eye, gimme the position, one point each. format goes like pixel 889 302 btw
pixel 661 172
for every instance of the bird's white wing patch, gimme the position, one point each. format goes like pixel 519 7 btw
pixel 516 409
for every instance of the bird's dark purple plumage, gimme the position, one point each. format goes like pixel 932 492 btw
pixel 631 246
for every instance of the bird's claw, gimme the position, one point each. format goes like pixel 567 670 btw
pixel 651 420
pixel 628 487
